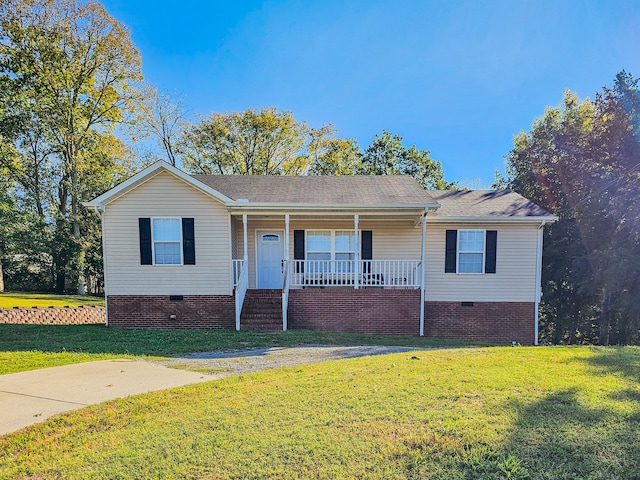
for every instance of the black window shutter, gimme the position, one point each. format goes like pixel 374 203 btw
pixel 298 248
pixel 366 249
pixel 451 251
pixel 144 226
pixel 188 242
pixel 491 241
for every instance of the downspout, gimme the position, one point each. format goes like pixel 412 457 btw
pixel 538 292
pixel 423 270
pixel 99 211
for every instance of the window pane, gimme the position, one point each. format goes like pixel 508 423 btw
pixel 319 256
pixel 167 253
pixel 470 263
pixel 166 230
pixel 471 240
pixel 319 265
pixel 345 242
pixel 344 262
pixel 270 238
pixel 319 241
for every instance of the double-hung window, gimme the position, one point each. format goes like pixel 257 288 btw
pixel 345 250
pixel 336 247
pixel 167 241
pixel 471 251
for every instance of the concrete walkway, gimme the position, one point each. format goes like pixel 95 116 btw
pixel 31 397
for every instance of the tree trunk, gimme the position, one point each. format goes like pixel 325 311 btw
pixel 575 324
pixel 605 317
pixel 1 277
pixel 60 279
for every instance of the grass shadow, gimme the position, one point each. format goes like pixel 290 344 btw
pixel 571 434
pixel 97 339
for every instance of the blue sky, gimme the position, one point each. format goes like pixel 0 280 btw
pixel 458 78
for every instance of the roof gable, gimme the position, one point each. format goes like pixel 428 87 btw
pixel 147 174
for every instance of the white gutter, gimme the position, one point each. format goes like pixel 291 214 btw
pixel 538 292
pixel 491 219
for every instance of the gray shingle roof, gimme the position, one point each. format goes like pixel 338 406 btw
pixel 484 203
pixel 321 190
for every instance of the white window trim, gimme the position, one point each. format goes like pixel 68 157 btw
pixel 153 243
pixel 333 242
pixel 483 252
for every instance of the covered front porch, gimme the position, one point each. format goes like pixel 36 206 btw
pixel 322 257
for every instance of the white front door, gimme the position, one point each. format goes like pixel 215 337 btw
pixel 270 254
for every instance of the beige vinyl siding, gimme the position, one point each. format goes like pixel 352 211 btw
pixel 165 195
pixel 514 280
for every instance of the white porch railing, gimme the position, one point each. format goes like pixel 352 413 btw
pixel 237 268
pixel 285 298
pixel 382 273
pixel 241 288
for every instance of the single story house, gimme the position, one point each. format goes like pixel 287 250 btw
pixel 365 254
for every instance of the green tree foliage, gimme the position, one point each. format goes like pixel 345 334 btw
pixel 67 72
pixel 263 142
pixel 330 155
pixel 269 142
pixel 388 156
pixel 581 161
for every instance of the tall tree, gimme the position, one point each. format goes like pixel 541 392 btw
pixel 580 160
pixel 162 117
pixel 71 69
pixel 329 155
pixel 263 142
pixel 388 156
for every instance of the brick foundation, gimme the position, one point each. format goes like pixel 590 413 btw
pixel 494 322
pixel 336 309
pixel 193 311
pixel 53 316
pixel 366 310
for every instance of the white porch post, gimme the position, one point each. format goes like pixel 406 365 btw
pixel 285 292
pixel 356 272
pixel 245 247
pixel 244 269
pixel 286 237
pixel 423 258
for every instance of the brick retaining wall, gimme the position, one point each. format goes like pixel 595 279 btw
pixel 366 310
pixel 154 311
pixel 53 316
pixel 495 322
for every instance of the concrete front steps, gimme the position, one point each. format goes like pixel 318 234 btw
pixel 262 310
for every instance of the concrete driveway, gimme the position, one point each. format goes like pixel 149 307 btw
pixel 31 397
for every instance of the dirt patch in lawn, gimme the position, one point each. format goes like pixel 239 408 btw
pixel 225 364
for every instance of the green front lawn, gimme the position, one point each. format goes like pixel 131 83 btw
pixel 27 347
pixel 28 300
pixel 485 413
